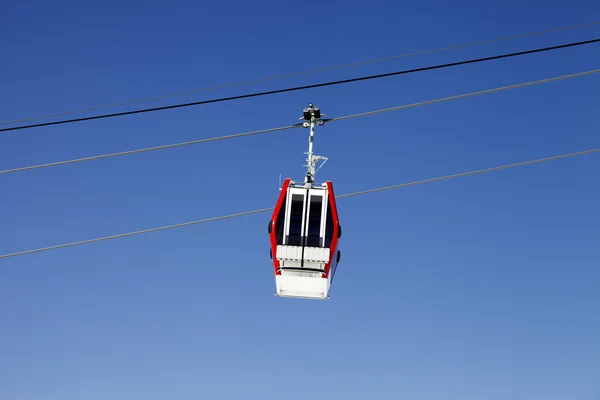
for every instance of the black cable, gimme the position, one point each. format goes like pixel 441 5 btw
pixel 363 78
pixel 312 71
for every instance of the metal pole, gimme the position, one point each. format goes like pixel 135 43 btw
pixel 311 166
pixel 312 117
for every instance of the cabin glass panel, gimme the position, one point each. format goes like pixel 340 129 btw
pixel 328 226
pixel 315 213
pixel 296 213
pixel 308 221
pixel 280 223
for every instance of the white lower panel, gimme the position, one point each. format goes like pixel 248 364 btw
pixel 316 254
pixel 311 254
pixel 302 286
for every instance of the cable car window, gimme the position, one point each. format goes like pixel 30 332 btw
pixel 329 226
pixel 295 232
pixel 313 238
pixel 279 223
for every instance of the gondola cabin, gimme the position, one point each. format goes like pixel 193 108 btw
pixel 304 232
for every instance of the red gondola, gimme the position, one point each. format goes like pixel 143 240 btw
pixel 304 231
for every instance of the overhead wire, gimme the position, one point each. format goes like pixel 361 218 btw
pixel 311 86
pixel 294 74
pixel 257 132
pixel 146 149
pixel 262 210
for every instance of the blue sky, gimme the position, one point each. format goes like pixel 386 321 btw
pixel 478 287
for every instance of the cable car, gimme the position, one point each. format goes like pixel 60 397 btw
pixel 304 231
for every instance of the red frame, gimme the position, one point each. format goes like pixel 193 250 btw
pixel 336 224
pixel 273 233
pixel 336 227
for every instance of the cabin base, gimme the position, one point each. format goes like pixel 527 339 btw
pixel 302 287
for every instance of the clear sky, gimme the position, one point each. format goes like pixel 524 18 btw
pixel 483 287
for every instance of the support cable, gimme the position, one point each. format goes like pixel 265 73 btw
pixel 312 86
pixel 359 193
pixel 238 135
pixel 293 74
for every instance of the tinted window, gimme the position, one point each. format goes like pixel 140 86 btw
pixel 279 222
pixel 295 236
pixel 328 226
pixel 314 222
